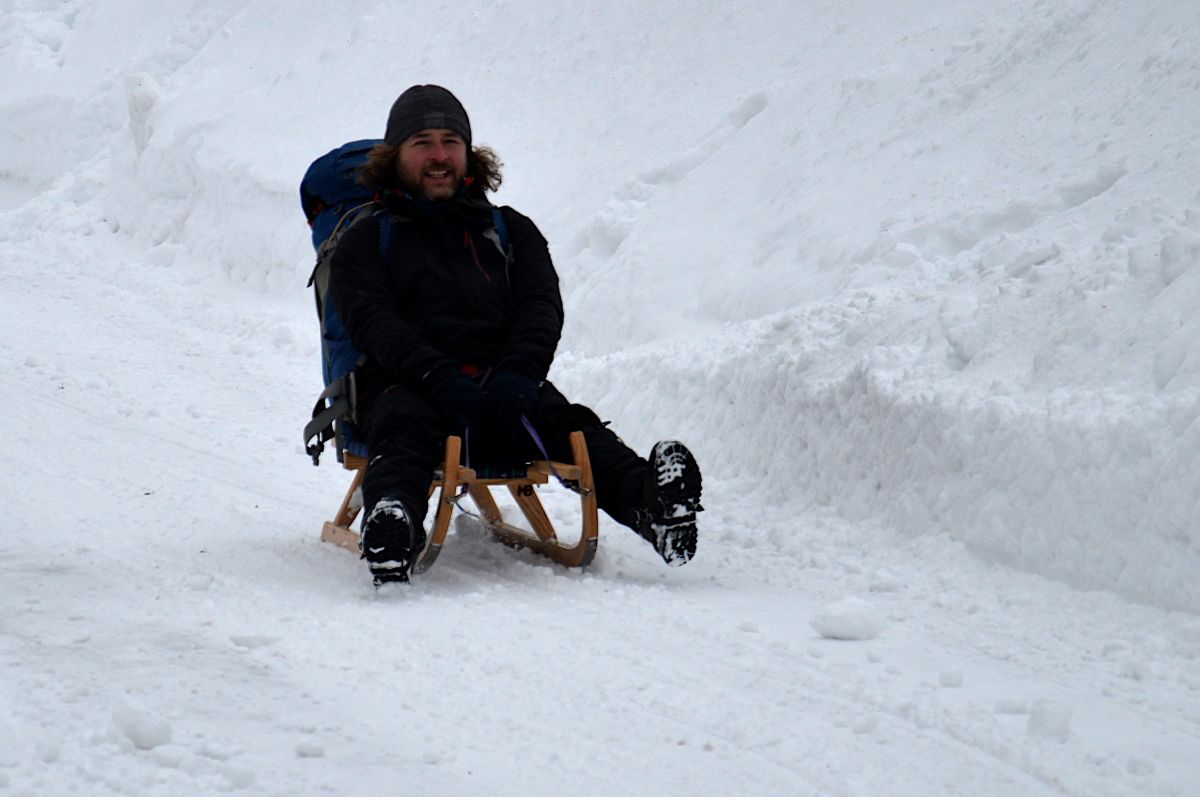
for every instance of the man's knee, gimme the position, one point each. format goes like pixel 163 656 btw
pixel 556 409
pixel 400 403
pixel 404 427
pixel 404 414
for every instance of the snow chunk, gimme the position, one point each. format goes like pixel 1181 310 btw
pixel 867 724
pixel 1180 251
pixel 252 641
pixel 951 679
pixel 885 581
pixel 1011 705
pixel 1049 719
pixel 310 750
pixel 145 730
pixel 849 618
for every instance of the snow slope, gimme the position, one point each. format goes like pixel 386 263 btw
pixel 917 285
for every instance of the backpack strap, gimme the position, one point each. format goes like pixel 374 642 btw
pixel 385 234
pixel 498 235
pixel 501 229
pixel 335 403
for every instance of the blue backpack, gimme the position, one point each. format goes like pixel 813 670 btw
pixel 333 200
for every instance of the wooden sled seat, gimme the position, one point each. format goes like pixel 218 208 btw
pixel 453 482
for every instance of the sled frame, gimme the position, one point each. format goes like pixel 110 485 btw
pixel 454 481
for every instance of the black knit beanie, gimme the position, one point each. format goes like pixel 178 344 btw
pixel 424 107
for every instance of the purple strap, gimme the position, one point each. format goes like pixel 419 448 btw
pixel 542 448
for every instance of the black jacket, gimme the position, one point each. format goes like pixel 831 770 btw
pixel 444 296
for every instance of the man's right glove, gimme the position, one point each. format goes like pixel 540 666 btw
pixel 509 394
pixel 455 395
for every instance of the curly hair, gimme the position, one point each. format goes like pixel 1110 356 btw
pixel 483 170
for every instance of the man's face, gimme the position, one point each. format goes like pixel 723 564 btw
pixel 431 163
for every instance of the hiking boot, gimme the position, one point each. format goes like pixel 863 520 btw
pixel 390 541
pixel 668 522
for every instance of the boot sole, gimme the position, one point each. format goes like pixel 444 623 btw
pixel 679 485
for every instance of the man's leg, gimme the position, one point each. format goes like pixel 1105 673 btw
pixel 619 473
pixel 405 438
pixel 658 498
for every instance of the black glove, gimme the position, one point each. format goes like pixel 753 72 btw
pixel 456 397
pixel 509 394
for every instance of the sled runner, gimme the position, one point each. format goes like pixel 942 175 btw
pixel 454 482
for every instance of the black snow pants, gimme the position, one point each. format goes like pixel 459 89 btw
pixel 406 439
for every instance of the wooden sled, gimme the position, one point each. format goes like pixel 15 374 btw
pixel 454 477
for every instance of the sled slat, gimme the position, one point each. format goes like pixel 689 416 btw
pixel 482 497
pixel 531 507
pixel 340 536
pixel 571 473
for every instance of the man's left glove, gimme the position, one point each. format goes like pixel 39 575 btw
pixel 509 394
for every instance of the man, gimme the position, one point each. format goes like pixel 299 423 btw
pixel 459 333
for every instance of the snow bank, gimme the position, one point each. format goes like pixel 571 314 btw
pixel 844 256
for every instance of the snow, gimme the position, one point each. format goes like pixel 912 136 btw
pixel 1051 720
pixel 918 286
pixel 850 618
pixel 145 730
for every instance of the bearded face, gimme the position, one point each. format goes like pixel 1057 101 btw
pixel 431 164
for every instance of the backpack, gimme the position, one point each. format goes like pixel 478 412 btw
pixel 333 201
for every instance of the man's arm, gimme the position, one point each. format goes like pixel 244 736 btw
pixel 538 305
pixel 363 293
